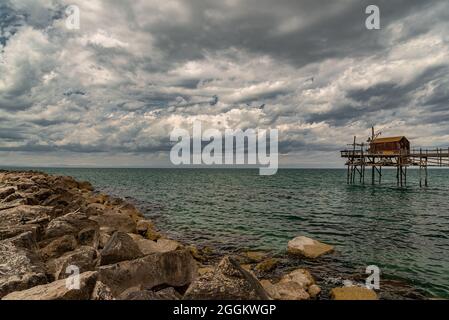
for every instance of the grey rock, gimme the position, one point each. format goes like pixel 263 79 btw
pixel 57 247
pixel 229 281
pixel 59 290
pixel 175 268
pixel 120 247
pixel 71 223
pixel 20 265
pixel 111 222
pixel 83 258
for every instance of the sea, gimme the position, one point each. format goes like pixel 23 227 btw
pixel 402 231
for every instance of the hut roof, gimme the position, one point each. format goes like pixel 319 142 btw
pixel 388 139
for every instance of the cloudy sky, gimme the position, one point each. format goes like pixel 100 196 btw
pixel 110 93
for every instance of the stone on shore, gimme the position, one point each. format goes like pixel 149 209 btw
pixel 285 291
pixel 161 245
pixel 101 292
pixel 308 247
pixel 120 247
pixel 58 290
pixel 6 191
pixel 20 266
pixel 254 256
pixel 58 246
pixel 267 265
pixel 164 294
pixel 297 285
pixel 229 281
pixel 299 276
pixel 110 222
pixel 71 223
pixel 174 268
pixel 353 293
pixel 146 229
pixel 83 258
pixel 22 216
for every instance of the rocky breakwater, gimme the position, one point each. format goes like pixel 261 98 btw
pixel 53 226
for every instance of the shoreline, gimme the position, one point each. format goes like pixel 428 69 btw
pixel 55 222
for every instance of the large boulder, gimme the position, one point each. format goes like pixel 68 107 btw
pixel 120 247
pixel 59 290
pixel 54 248
pixel 71 223
pixel 308 247
pixel 285 291
pixel 110 222
pixel 353 293
pixel 175 268
pixel 83 258
pixel 229 281
pixel 296 285
pixel 20 265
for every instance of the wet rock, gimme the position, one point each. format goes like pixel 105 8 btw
pixel 308 247
pixel 130 210
pixel 110 222
pixel 353 293
pixel 85 185
pixel 254 256
pixel 146 229
pixel 267 265
pixel 297 285
pixel 120 247
pixel 229 281
pixel 175 268
pixel 299 276
pixel 285 291
pixel 59 290
pixel 20 265
pixel 314 291
pixel 101 292
pixel 83 258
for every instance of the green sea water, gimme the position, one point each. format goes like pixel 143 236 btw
pixel 404 231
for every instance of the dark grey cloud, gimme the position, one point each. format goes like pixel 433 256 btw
pixel 136 69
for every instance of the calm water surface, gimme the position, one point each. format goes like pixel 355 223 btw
pixel 403 231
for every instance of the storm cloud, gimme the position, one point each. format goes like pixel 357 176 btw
pixel 115 88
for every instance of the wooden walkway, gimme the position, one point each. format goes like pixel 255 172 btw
pixel 359 158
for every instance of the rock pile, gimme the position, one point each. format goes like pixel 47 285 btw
pixel 56 232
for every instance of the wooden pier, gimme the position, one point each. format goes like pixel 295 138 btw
pixel 391 152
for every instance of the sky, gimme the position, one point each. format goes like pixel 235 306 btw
pixel 110 92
